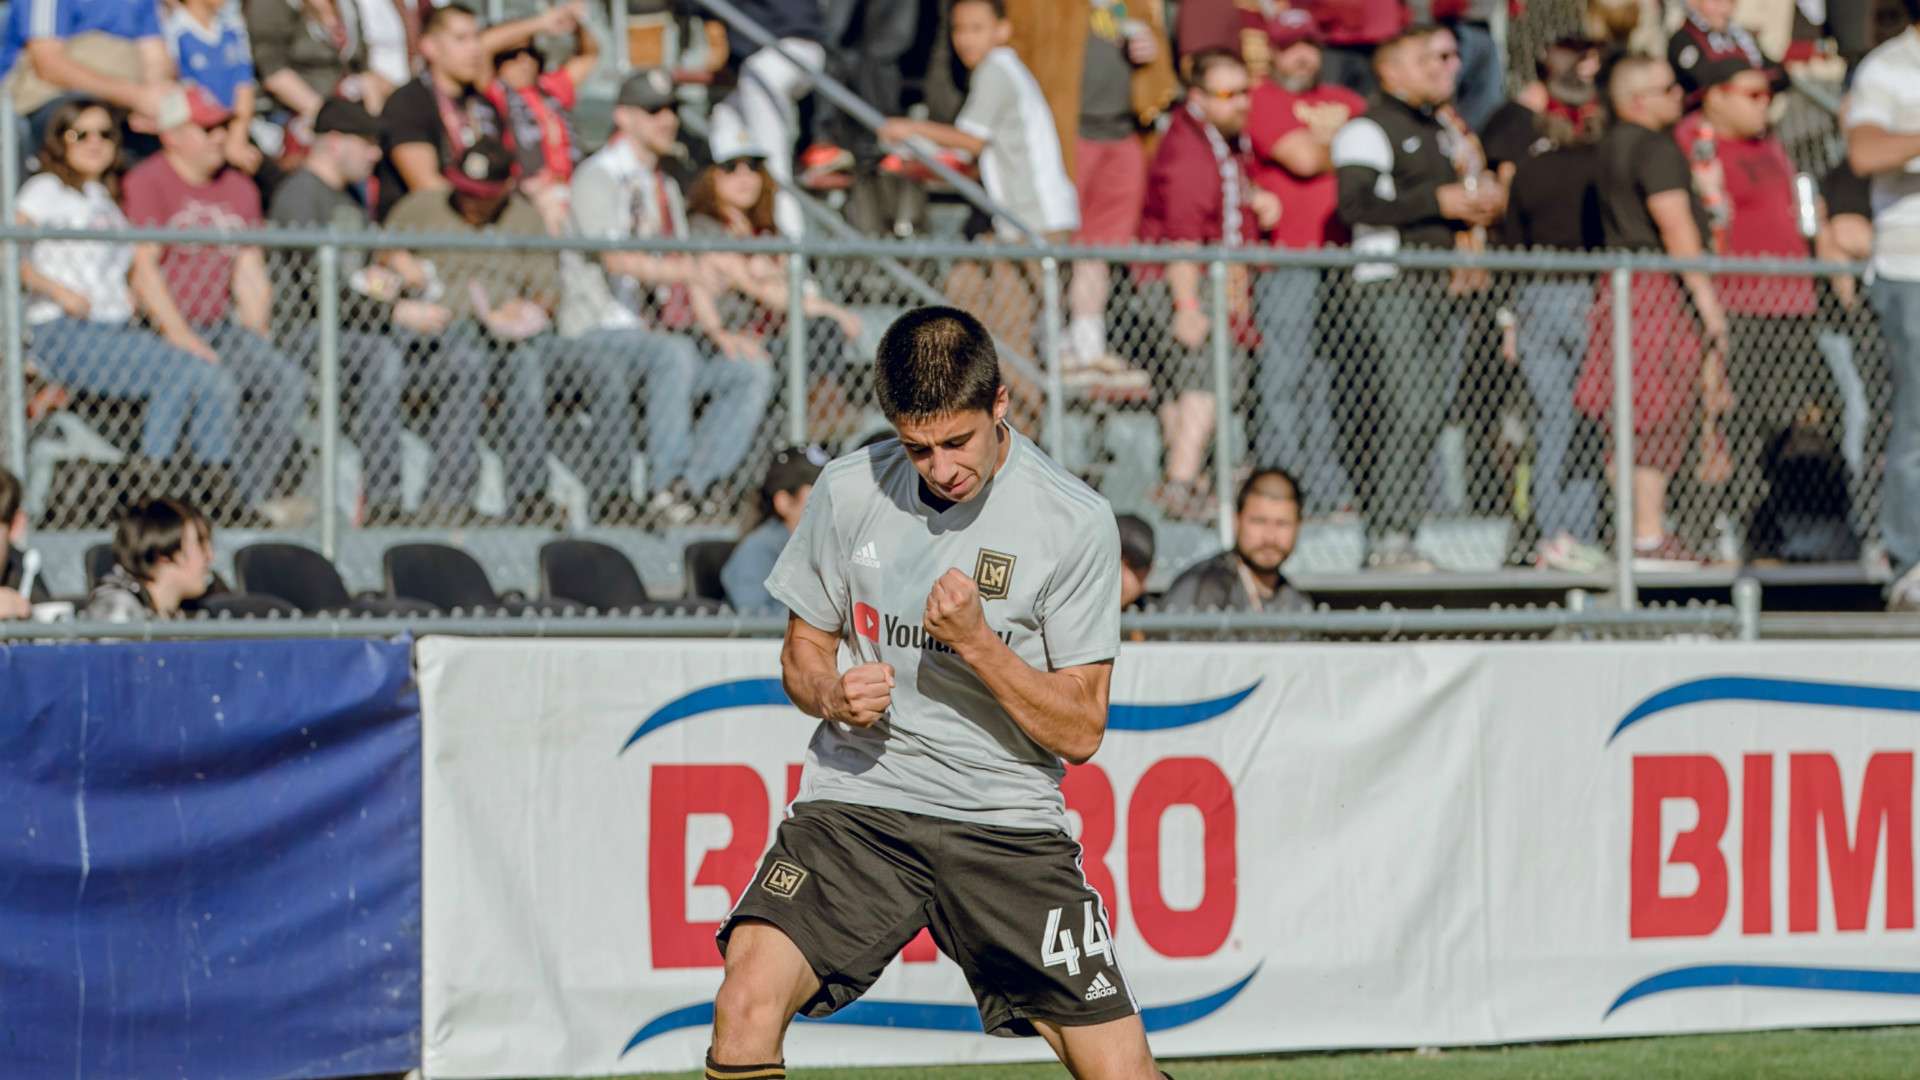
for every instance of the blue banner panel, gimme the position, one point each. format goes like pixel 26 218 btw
pixel 209 859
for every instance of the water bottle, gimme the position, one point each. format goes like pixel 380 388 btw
pixel 1806 208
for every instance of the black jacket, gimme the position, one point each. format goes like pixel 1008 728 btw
pixel 1214 585
pixel 1391 164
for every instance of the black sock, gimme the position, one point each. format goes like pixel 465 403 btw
pixel 715 1071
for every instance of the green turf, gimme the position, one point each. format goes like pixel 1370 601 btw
pixel 1869 1054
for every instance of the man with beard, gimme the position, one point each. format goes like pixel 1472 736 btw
pixel 1247 577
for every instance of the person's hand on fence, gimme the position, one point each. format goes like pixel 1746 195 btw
pixel 421 317
pixel 14 606
pixel 1190 326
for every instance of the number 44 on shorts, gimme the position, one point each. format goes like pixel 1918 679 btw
pixel 1056 945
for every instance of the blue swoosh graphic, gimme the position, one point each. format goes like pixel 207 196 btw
pixel 930 1016
pixel 748 693
pixel 1774 691
pixel 1834 980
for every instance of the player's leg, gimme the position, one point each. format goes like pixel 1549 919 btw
pixel 1115 1050
pixel 767 981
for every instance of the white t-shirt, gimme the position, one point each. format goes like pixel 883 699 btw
pixel 1021 167
pixel 95 269
pixel 384 36
pixel 1886 94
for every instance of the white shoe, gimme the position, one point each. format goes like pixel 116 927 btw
pixel 1904 596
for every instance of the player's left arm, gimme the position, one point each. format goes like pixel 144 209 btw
pixel 1064 710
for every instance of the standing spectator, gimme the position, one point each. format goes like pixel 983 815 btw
pixel 1648 203
pixel 783 495
pixel 79 309
pixel 303 53
pixel 393 33
pixel 162 560
pixel 1136 560
pixel 212 301
pixel 1247 577
pixel 538 104
pixel 1198 192
pixel 1292 122
pixel 208 44
pixel 1560 108
pixel 1398 188
pixel 1355 30
pixel 1235 26
pixel 1883 143
pixel 764 106
pixel 107 50
pixel 1707 37
pixel 624 190
pixel 431 122
pixel 1481 83
pixel 17 594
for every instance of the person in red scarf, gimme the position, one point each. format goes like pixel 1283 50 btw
pixel 538 106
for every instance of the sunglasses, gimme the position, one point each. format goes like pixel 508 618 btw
pixel 740 165
pixel 1226 95
pixel 1756 95
pixel 76 136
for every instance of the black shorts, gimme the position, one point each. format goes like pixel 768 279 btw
pixel 851 885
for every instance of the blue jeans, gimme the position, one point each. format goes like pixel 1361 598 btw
pixel 183 393
pixel 455 368
pixel 372 380
pixel 1293 385
pixel 1552 335
pixel 1482 86
pixel 275 391
pixel 1898 303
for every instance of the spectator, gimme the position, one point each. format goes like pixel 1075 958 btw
pixel 1136 559
pixel 320 195
pixel 538 105
pixel 1398 188
pixel 865 41
pixel 1106 71
pixel 1773 369
pixel 1560 108
pixel 1851 333
pixel 79 308
pixel 1708 37
pixel 305 52
pixel 1266 524
pixel 1232 26
pixel 783 495
pixel 764 107
pixel 1648 203
pixel 208 45
pixel 499 303
pixel 1480 84
pixel 106 50
pixel 18 591
pixel 429 124
pixel 162 559
pixel 213 301
pixel 393 33
pixel 1883 144
pixel 1292 121
pixel 1198 193
pixel 1355 30
pixel 624 190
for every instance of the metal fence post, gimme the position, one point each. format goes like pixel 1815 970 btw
pixel 15 390
pixel 1746 604
pixel 797 349
pixel 329 256
pixel 621 47
pixel 1222 401
pixel 1622 287
pixel 1050 340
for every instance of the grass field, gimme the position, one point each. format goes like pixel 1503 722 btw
pixel 1866 1054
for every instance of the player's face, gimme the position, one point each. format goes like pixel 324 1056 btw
pixel 956 454
pixel 1266 530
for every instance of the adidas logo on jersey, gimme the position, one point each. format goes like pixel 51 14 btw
pixel 867 555
pixel 1101 987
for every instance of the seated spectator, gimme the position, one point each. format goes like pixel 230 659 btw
pixel 429 124
pixel 18 594
pixel 1709 36
pixel 1266 523
pixel 304 52
pixel 213 301
pixel 107 50
pixel 162 560
pixel 80 311
pixel 1136 559
pixel 208 44
pixel 1198 192
pixel 763 108
pixel 538 105
pixel 783 495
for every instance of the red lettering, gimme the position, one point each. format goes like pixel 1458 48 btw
pixel 1756 845
pixel 679 792
pixel 1681 776
pixel 1089 793
pixel 1199 783
pixel 1815 800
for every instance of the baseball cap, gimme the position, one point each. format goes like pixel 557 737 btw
pixel 793 468
pixel 484 170
pixel 731 142
pixel 1136 542
pixel 1720 70
pixel 650 89
pixel 343 117
pixel 192 106
pixel 1293 26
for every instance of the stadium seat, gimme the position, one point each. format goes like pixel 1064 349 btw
pixel 704 558
pixel 247 606
pixel 449 578
pixel 592 574
pixel 99 563
pixel 307 580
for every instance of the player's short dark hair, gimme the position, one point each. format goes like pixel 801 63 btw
pixel 999 7
pixel 153 530
pixel 10 495
pixel 934 361
pixel 1203 63
pixel 438 17
pixel 1269 482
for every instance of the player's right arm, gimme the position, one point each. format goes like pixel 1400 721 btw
pixel 810 671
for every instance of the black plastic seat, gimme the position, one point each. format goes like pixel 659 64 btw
pixel 448 578
pixel 99 560
pixel 704 560
pixel 591 574
pixel 241 605
pixel 307 580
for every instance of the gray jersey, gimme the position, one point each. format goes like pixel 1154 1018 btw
pixel 1046 553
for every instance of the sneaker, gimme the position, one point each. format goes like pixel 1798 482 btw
pixel 1904 595
pixel 671 507
pixel 287 511
pixel 913 169
pixel 825 167
pixel 1394 553
pixel 1565 553
pixel 1668 554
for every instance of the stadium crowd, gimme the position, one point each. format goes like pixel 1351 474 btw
pixel 1383 125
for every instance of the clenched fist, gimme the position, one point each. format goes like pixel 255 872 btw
pixel 863 695
pixel 953 609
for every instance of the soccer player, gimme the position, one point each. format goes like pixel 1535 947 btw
pixel 977 585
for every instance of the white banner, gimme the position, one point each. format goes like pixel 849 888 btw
pixel 1302 846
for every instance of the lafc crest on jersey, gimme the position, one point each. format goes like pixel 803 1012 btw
pixel 993 574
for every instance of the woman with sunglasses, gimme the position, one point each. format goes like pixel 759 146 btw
pixel 80 310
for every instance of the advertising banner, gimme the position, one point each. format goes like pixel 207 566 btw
pixel 1300 846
